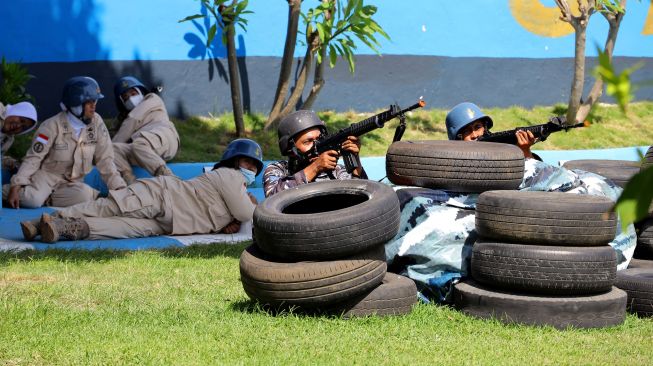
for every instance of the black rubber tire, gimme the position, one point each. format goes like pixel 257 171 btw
pixel 593 311
pixel 455 165
pixel 645 237
pixel 640 263
pixel 648 158
pixel 327 220
pixel 309 284
pixel 619 171
pixel 638 284
pixel 546 218
pixel 396 295
pixel 549 270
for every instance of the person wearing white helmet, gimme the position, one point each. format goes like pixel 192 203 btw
pixel 15 120
pixel 146 137
pixel 63 151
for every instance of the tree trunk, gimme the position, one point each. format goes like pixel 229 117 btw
pixel 579 71
pixel 318 82
pixel 234 80
pixel 294 9
pixel 301 79
pixel 597 89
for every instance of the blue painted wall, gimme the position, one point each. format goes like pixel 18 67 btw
pixel 57 39
pixel 87 30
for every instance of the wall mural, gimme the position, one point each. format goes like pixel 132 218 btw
pixel 545 20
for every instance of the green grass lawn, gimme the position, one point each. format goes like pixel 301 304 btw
pixel 187 306
pixel 204 139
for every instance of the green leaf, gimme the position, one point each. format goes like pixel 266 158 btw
pixel 211 35
pixel 333 56
pixel 191 17
pixel 635 201
pixel 320 31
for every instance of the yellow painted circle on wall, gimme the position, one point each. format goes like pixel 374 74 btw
pixel 539 19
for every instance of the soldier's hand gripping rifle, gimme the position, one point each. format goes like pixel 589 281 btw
pixel 541 132
pixel 334 141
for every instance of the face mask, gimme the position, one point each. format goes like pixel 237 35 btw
pixel 77 111
pixel 250 176
pixel 133 101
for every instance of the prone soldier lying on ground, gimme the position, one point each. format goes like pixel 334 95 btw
pixel 63 152
pixel 467 122
pixel 15 120
pixel 216 201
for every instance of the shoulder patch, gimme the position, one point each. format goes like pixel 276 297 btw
pixel 38 147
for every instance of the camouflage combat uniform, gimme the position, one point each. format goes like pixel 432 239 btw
pixel 277 177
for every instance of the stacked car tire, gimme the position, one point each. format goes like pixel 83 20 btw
pixel 637 280
pixel 543 259
pixel 320 247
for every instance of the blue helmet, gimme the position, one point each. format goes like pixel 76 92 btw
pixel 125 83
pixel 122 85
pixel 242 147
pixel 79 90
pixel 462 115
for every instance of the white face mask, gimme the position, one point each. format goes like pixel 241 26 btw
pixel 77 111
pixel 249 175
pixel 133 101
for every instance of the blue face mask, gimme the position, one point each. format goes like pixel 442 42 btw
pixel 250 176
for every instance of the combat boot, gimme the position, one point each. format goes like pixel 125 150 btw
pixel 55 228
pixel 31 229
pixel 163 170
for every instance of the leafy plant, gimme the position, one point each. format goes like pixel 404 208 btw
pixel 226 18
pixel 12 86
pixel 618 85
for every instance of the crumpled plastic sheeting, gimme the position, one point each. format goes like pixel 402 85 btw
pixel 437 228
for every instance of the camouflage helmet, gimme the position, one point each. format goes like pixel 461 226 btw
pixel 242 147
pixel 293 124
pixel 79 90
pixel 462 115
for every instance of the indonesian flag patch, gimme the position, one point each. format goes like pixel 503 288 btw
pixel 39 143
pixel 42 139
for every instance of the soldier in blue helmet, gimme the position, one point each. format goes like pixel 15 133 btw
pixel 146 137
pixel 216 201
pixel 467 122
pixel 297 133
pixel 63 151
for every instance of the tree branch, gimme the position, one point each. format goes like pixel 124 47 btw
pixel 283 85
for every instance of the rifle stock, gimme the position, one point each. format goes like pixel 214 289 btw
pixel 541 132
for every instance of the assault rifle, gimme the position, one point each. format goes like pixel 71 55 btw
pixel 541 132
pixel 334 141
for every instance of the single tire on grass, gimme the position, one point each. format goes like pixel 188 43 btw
pixel 638 284
pixel 309 284
pixel 455 165
pixel 546 218
pixel 552 270
pixel 619 171
pixel 327 220
pixel 396 295
pixel 593 311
